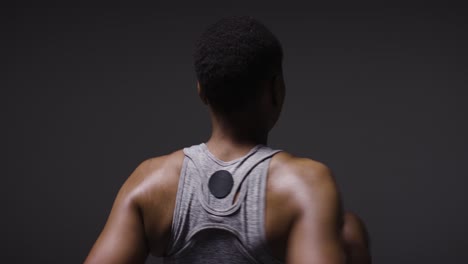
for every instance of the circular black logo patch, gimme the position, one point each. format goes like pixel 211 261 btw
pixel 220 183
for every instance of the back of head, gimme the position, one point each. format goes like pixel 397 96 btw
pixel 231 58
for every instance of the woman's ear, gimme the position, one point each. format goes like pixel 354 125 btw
pixel 277 89
pixel 201 93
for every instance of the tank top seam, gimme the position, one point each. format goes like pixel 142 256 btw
pixel 205 226
pixel 223 163
pixel 176 216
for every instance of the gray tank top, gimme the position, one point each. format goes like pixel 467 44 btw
pixel 207 229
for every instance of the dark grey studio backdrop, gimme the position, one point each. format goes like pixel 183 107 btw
pixel 376 93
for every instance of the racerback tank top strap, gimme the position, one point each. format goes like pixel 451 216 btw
pixel 209 224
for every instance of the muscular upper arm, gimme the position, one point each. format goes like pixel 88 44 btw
pixel 123 238
pixel 315 234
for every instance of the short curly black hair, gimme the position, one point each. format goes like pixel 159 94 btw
pixel 231 57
